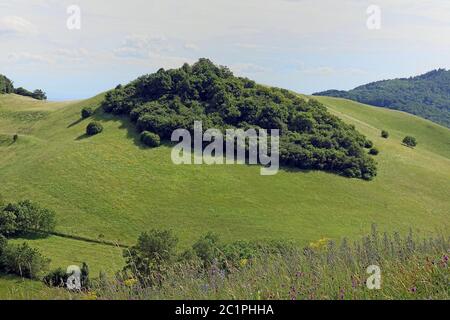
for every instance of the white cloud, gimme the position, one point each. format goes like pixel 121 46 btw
pixel 142 46
pixel 191 46
pixel 247 68
pixel 28 58
pixel 16 25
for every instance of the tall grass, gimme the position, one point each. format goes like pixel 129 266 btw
pixel 410 269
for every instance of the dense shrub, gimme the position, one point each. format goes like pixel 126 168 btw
pixel 36 94
pixel 6 85
pixel 94 128
pixel 147 259
pixel 311 138
pixel 86 112
pixel 426 95
pixel 25 216
pixel 56 278
pixel 384 134
pixel 150 139
pixel 368 144
pixel 374 151
pixel 410 141
pixel 23 260
pixel 3 244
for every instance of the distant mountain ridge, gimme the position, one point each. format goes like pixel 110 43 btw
pixel 426 95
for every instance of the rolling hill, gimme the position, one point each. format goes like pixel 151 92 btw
pixel 427 95
pixel 110 187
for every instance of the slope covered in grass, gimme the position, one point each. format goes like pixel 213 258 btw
pixel 426 95
pixel 110 187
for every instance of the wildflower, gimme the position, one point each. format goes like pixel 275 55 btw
pixel 130 282
pixel 243 262
pixel 91 295
pixel 413 289
pixel 341 294
pixel 299 274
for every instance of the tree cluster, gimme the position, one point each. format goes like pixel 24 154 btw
pixel 427 95
pixel 311 138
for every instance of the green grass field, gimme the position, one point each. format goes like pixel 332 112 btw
pixel 110 187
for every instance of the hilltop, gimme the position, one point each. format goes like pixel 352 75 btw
pixel 7 86
pixel 427 95
pixel 310 137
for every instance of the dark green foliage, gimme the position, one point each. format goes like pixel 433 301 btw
pixel 147 259
pixel 150 139
pixel 94 128
pixel 36 94
pixel 56 278
pixel 410 141
pixel 23 261
pixel 25 216
pixel 311 138
pixel 427 95
pixel 86 112
pixel 384 134
pixel 368 144
pixel 85 280
pixel 15 137
pixel 39 95
pixel 3 244
pixel 374 151
pixel 207 248
pixel 6 85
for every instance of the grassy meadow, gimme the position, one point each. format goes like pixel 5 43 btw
pixel 109 187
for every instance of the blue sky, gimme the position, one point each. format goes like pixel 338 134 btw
pixel 303 45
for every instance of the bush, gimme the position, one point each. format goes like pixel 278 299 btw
pixel 94 128
pixel 207 248
pixel 374 151
pixel 410 141
pixel 23 261
pixel 15 137
pixel 368 144
pixel 384 134
pixel 56 278
pixel 26 216
pixel 148 257
pixel 86 113
pixel 150 139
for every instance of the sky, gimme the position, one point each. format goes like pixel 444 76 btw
pixel 303 45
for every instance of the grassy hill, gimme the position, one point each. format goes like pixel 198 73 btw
pixel 426 95
pixel 110 187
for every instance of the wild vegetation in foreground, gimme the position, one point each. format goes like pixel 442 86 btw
pixel 410 269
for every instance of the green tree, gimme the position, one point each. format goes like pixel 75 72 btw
pixel 23 261
pixel 86 112
pixel 94 128
pixel 149 257
pixel 384 134
pixel 150 139
pixel 410 141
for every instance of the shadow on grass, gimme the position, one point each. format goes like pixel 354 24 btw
pixel 82 137
pixel 75 123
pixel 133 135
pixel 31 236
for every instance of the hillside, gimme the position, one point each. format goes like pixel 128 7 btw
pixel 427 95
pixel 310 137
pixel 110 187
